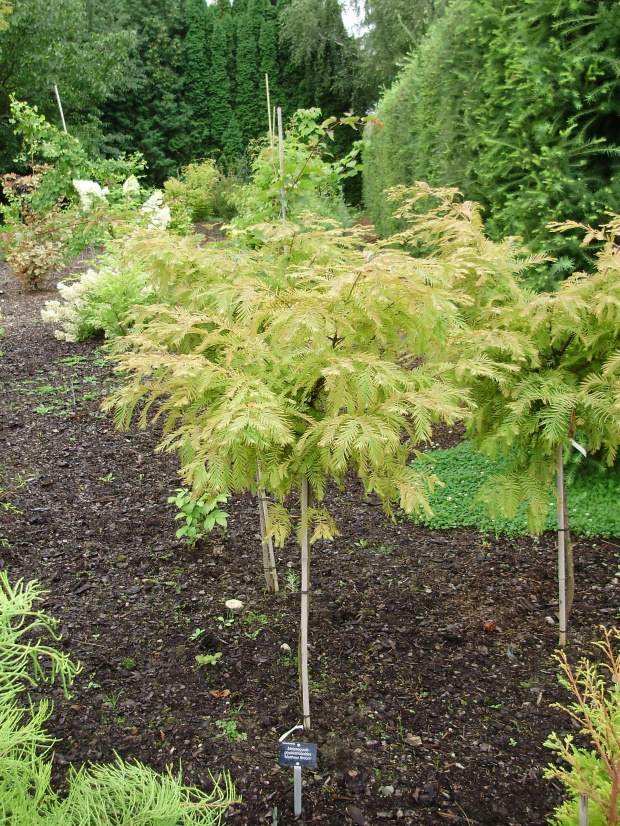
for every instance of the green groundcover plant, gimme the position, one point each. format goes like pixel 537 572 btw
pixel 104 795
pixel 592 488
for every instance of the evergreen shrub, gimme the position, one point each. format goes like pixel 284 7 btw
pixel 104 795
pixel 205 191
pixel 516 104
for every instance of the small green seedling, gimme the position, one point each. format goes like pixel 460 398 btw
pixel 230 730
pixel 208 659
pixel 292 581
pixel 201 515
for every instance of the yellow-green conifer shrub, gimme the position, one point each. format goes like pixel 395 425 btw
pixel 296 359
pixel 596 708
pixel 542 370
pixel 99 795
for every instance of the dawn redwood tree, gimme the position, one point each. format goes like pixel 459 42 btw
pixel 289 365
pixel 542 370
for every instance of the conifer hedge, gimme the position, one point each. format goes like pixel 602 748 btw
pixel 517 103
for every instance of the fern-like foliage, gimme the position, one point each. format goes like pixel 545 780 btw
pixel 98 795
pixel 298 357
pixel 540 368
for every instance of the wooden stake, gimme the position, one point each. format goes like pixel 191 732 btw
pixel 62 116
pixel 583 809
pixel 305 593
pixel 561 546
pixel 281 144
pixel 271 138
pixel 269 559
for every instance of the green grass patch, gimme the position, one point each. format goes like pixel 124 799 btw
pixel 593 493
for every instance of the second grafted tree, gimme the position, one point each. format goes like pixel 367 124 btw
pixel 543 370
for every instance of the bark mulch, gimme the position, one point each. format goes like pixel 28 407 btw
pixel 420 714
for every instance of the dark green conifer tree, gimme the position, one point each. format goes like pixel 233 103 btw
pixel 197 74
pixel 233 143
pixel 150 114
pixel 220 91
pixel 248 97
pixel 268 52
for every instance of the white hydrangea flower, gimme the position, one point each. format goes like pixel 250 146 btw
pixel 154 202
pixel 89 191
pixel 131 186
pixel 160 219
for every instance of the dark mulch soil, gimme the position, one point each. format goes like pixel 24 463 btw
pixel 420 715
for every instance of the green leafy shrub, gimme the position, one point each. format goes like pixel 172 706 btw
pixel 515 104
pixel 312 180
pixel 99 301
pixel 205 191
pixel 103 795
pixel 596 708
pixel 201 514
pixel 593 492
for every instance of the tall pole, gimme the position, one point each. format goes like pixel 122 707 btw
pixel 62 116
pixel 281 143
pixel 305 589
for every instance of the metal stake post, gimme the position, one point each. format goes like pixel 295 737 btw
pixel 297 789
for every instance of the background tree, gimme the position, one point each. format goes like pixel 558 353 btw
pixel 249 100
pixel 233 143
pixel 50 42
pixel 518 105
pixel 394 27
pixel 196 72
pixel 220 109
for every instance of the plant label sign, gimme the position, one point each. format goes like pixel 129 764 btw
pixel 298 754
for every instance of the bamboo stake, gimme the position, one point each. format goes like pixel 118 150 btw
pixel 62 116
pixel 281 144
pixel 305 592
pixel 272 557
pixel 561 546
pixel 269 559
pixel 270 122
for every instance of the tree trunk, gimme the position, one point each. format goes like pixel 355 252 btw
pixel 561 546
pixel 305 594
pixel 570 566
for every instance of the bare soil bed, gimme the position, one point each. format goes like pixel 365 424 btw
pixel 420 714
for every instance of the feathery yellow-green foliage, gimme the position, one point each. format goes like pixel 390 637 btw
pixel 596 708
pixel 98 795
pixel 540 368
pixel 298 357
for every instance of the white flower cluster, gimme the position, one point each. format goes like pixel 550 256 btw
pixel 89 191
pixel 131 186
pixel 159 217
pixel 96 302
pixel 67 313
